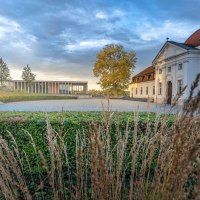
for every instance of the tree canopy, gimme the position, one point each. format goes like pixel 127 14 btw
pixel 28 76
pixel 114 67
pixel 4 73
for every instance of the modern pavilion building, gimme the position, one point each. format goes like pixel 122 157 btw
pixel 50 87
pixel 175 66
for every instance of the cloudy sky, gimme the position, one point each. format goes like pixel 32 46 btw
pixel 59 39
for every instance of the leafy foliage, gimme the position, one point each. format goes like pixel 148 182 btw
pixel 4 72
pixel 28 76
pixel 114 66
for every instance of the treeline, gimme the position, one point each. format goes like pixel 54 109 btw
pixel 5 76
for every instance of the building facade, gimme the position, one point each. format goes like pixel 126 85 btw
pixel 175 66
pixel 50 87
pixel 143 84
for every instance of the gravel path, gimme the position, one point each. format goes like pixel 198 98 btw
pixel 83 105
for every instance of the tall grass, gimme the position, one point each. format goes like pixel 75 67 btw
pixel 159 161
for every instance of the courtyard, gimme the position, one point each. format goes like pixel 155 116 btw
pixel 85 105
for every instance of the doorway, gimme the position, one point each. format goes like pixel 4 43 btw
pixel 169 92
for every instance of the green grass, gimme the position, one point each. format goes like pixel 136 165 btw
pixel 12 96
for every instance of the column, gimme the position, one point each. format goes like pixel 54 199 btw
pixel 42 87
pixel 65 87
pixel 35 88
pixel 48 87
pixel 38 87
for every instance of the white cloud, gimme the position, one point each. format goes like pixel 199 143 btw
pixel 101 15
pixel 8 26
pixel 118 13
pixel 21 45
pixel 104 15
pixel 13 35
pixel 89 44
pixel 175 31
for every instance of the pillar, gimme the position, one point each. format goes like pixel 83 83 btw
pixel 38 88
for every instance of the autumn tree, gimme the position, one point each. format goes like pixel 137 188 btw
pixel 4 73
pixel 113 67
pixel 28 76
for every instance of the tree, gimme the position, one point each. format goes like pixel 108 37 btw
pixel 28 76
pixel 4 73
pixel 114 67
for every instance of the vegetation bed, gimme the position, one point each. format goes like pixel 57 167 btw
pixel 13 96
pixel 96 155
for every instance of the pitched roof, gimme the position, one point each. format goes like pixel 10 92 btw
pixel 146 71
pixel 181 45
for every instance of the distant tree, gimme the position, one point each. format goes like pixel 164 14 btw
pixel 4 73
pixel 114 67
pixel 28 76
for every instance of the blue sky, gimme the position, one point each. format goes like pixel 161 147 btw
pixel 59 39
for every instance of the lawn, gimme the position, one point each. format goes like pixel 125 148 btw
pixel 13 96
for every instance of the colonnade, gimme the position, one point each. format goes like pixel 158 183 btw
pixel 51 87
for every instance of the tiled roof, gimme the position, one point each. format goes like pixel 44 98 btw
pixel 146 71
pixel 194 39
pixel 147 74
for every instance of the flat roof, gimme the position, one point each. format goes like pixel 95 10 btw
pixel 51 81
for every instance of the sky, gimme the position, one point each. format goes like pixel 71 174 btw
pixel 60 39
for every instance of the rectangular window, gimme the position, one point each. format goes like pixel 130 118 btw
pixel 141 90
pixel 160 71
pixel 147 90
pixel 160 88
pixel 153 90
pixel 180 66
pixel 180 86
pixel 135 90
pixel 169 69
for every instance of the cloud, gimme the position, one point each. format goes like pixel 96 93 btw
pixel 101 15
pixel 89 44
pixel 173 30
pixel 8 26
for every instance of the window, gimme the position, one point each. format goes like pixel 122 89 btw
pixel 153 90
pixel 135 90
pixel 160 88
pixel 169 69
pixel 180 66
pixel 180 86
pixel 141 90
pixel 160 71
pixel 147 90
pixel 149 76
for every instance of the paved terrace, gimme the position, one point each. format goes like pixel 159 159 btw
pixel 85 105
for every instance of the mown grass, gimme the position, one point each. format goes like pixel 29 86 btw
pixel 13 96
